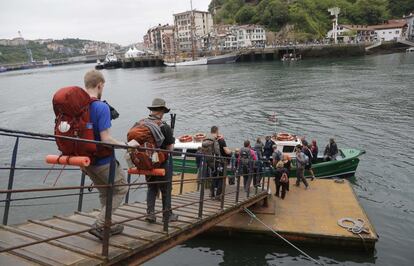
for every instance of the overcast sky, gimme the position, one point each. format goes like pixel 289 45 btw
pixel 119 21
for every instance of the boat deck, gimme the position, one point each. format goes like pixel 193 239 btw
pixel 307 216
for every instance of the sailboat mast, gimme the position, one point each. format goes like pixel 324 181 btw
pixel 192 30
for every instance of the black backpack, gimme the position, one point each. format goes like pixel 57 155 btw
pixel 245 157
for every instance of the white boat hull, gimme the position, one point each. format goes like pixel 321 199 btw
pixel 202 61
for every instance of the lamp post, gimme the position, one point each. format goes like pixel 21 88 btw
pixel 335 12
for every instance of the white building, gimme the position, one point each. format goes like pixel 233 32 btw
pixel 202 26
pixel 392 30
pixel 245 36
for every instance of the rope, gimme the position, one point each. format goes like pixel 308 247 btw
pixel 253 216
pixel 357 228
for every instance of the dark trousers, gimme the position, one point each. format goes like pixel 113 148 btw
pixel 300 176
pixel 152 191
pixel 247 177
pixel 280 185
pixel 216 183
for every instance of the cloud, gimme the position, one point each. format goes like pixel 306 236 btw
pixel 122 21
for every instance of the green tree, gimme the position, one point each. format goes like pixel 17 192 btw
pixel 245 14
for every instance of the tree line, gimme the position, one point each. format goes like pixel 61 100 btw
pixel 309 17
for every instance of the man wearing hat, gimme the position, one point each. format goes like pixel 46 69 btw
pixel 157 111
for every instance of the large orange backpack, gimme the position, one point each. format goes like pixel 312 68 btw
pixel 71 107
pixel 145 159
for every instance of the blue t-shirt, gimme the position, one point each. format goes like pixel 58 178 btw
pixel 100 116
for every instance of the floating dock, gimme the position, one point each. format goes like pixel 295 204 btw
pixel 306 216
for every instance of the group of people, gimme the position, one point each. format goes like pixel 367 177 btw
pixel 251 162
pixel 247 161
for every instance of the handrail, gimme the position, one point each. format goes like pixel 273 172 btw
pixel 17 134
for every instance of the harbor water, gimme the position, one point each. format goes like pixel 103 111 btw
pixel 363 102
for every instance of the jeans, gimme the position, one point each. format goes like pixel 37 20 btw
pixel 300 176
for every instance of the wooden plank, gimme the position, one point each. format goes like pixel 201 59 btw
pixel 158 207
pixel 76 244
pixel 69 227
pixel 43 253
pixel 9 259
pixel 195 206
pixel 123 240
pixel 153 227
pixel 137 209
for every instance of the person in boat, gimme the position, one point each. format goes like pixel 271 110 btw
pixel 300 166
pixel 306 150
pixel 281 179
pixel 314 149
pixel 157 111
pixel 258 148
pixel 331 151
pixel 246 160
pixel 98 171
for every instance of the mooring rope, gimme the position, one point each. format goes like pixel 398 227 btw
pixel 284 239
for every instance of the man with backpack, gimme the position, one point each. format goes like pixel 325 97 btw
pixel 215 147
pixel 247 159
pixel 165 140
pixel 301 161
pixel 98 171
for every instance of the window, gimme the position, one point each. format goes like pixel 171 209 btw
pixel 397 32
pixel 288 149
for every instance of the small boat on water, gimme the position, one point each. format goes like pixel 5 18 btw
pixel 111 61
pixel 345 164
pixel 410 50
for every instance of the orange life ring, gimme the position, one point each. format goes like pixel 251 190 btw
pixel 285 137
pixel 186 138
pixel 199 136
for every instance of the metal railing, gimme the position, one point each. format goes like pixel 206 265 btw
pixel 202 181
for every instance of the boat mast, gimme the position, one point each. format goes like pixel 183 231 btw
pixel 192 30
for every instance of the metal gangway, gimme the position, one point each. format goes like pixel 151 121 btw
pixel 64 240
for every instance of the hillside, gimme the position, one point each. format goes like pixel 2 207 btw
pixel 53 49
pixel 310 18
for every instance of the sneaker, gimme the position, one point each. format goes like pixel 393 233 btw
pixel 151 218
pixel 312 178
pixel 173 218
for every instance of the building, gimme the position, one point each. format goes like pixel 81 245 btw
pixel 192 26
pixel 392 30
pixel 242 36
pixel 410 27
pixel 160 39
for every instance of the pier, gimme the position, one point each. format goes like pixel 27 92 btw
pixel 64 240
pixel 306 217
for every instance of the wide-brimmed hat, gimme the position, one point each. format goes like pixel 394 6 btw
pixel 157 104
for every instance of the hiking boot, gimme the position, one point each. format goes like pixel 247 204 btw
pixel 99 231
pixel 173 218
pixel 116 229
pixel 151 218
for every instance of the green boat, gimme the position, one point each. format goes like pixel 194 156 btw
pixel 345 164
